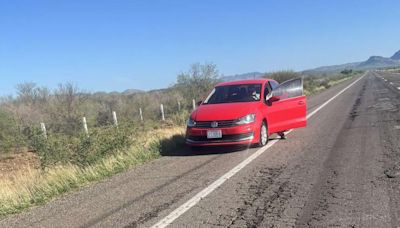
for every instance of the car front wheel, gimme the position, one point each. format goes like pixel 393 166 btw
pixel 263 134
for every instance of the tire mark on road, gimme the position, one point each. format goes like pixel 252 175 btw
pixel 323 192
pixel 262 195
pixel 391 145
pixel 155 211
pixel 154 190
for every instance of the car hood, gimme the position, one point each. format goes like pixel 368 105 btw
pixel 226 111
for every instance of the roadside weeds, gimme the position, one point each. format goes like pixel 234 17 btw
pixel 36 187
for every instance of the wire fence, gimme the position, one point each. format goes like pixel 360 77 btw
pixel 165 113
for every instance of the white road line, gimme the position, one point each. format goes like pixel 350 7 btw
pixel 391 83
pixel 398 88
pixel 205 192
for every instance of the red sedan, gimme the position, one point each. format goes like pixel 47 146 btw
pixel 247 112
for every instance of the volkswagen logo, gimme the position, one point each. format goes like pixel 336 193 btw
pixel 214 124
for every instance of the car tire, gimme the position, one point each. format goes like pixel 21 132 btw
pixel 263 135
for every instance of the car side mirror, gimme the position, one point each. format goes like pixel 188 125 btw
pixel 274 98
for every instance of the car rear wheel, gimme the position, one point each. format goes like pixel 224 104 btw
pixel 263 134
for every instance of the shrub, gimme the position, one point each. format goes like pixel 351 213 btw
pixel 325 83
pixel 102 142
pixel 10 138
pixel 346 71
pixel 83 149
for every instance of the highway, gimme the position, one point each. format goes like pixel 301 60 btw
pixel 331 173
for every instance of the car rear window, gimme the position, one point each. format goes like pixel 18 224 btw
pixel 234 93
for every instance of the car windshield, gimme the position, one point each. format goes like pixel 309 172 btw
pixel 234 93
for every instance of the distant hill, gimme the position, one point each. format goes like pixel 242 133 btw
pixel 116 93
pixel 132 91
pixel 396 56
pixel 332 69
pixel 373 62
pixel 378 62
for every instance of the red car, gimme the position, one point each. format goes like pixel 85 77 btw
pixel 247 112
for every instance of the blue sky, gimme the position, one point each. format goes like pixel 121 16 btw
pixel 117 45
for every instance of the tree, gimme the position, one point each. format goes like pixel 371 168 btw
pixel 346 71
pixel 67 108
pixel 198 81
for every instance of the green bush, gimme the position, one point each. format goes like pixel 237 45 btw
pixel 102 142
pixel 53 150
pixel 10 138
pixel 82 149
pixel 346 71
pixel 325 84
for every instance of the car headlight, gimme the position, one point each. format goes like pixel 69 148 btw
pixel 191 122
pixel 246 119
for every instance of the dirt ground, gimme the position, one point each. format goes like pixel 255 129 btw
pixel 16 163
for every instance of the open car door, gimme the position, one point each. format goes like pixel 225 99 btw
pixel 290 105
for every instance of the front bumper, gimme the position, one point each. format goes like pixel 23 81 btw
pixel 243 134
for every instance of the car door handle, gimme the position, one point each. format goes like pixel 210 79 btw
pixel 301 103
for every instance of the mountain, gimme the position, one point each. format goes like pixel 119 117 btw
pixel 378 62
pixel 333 68
pixel 251 75
pixel 132 91
pixel 116 93
pixel 373 62
pixel 396 56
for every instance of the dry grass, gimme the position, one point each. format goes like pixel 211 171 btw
pixel 330 82
pixel 34 187
pixel 335 82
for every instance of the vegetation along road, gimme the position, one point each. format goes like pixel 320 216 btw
pixel 342 170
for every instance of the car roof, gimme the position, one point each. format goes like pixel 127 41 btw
pixel 240 82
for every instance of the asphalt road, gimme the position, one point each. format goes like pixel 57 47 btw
pixel 332 173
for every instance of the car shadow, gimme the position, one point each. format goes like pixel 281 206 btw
pixel 175 146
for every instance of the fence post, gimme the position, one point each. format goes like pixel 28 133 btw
pixel 194 104
pixel 43 127
pixel 115 118
pixel 141 114
pixel 162 112
pixel 85 127
pixel 179 106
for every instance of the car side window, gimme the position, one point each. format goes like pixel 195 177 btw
pixel 273 85
pixel 290 88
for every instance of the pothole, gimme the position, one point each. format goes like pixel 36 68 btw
pixel 393 172
pixel 382 91
pixel 385 106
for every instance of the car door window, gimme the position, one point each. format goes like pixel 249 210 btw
pixel 289 89
pixel 273 84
